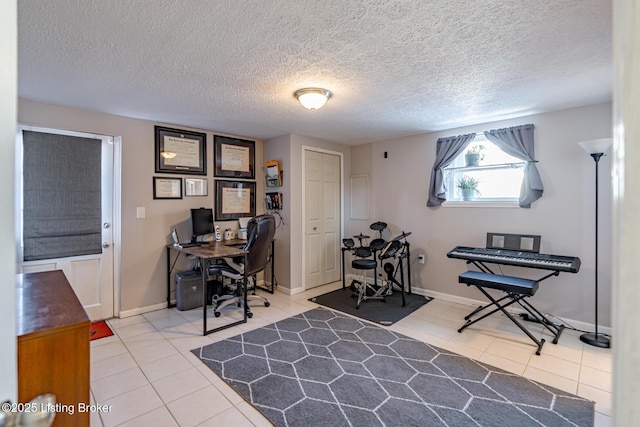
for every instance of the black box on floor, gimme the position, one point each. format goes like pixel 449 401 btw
pixel 188 287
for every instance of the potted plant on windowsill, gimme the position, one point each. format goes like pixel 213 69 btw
pixel 474 155
pixel 468 187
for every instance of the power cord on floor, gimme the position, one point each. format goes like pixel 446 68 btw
pixel 528 318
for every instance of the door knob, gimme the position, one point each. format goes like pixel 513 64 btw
pixel 105 245
pixel 106 225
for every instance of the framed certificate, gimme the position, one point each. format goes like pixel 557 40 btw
pixel 180 151
pixel 167 188
pixel 234 158
pixel 235 199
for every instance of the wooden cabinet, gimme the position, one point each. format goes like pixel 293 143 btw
pixel 53 344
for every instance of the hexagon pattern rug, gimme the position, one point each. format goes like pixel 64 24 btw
pixel 323 368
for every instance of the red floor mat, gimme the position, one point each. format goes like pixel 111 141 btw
pixel 100 330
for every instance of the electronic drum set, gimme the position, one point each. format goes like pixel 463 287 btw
pixel 391 255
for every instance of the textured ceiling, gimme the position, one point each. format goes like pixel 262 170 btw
pixel 395 67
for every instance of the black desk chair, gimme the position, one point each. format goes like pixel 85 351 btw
pixel 260 232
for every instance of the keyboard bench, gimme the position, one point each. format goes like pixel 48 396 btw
pixel 516 285
pixel 516 290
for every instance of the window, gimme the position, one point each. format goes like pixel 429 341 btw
pixel 496 177
pixel 61 194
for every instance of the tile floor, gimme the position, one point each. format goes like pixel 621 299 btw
pixel 148 376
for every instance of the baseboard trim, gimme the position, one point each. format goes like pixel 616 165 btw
pixel 577 324
pixel 142 310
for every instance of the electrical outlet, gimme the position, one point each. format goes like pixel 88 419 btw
pixel 421 259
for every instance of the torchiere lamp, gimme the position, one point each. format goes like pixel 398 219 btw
pixel 596 148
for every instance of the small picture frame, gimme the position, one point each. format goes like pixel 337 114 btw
pixel 233 157
pixel 167 188
pixel 235 199
pixel 180 151
pixel 195 187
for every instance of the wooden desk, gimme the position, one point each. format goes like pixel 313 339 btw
pixel 53 343
pixel 206 253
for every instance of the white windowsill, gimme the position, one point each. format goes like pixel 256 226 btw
pixel 480 204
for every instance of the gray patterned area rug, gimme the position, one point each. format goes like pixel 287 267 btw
pixel 323 368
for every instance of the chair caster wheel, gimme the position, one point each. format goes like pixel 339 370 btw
pixel 249 315
pixel 216 313
pixel 267 303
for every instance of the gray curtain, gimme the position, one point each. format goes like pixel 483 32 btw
pixel 447 149
pixel 517 141
pixel 62 210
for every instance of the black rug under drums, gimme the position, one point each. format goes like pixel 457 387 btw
pixel 383 312
pixel 323 368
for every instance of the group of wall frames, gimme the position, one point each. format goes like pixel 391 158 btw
pixel 171 188
pixel 185 152
pixel 360 197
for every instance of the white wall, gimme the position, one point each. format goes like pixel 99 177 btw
pixel 8 93
pixel 291 267
pixel 564 216
pixel 626 154
pixel 279 149
pixel 143 272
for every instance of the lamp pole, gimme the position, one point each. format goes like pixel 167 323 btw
pixel 596 339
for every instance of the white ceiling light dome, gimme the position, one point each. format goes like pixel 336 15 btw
pixel 313 98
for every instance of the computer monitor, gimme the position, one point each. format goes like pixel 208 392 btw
pixel 202 221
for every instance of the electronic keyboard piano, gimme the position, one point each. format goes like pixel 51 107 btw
pixel 518 258
pixel 520 251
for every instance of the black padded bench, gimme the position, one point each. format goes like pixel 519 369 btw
pixel 516 290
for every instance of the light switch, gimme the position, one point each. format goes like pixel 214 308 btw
pixel 141 212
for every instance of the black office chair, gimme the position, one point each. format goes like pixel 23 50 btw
pixel 260 232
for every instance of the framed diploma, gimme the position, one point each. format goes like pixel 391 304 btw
pixel 234 158
pixel 180 151
pixel 167 188
pixel 235 199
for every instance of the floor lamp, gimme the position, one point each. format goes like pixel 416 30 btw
pixel 596 148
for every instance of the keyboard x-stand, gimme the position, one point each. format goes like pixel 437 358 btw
pixel 516 289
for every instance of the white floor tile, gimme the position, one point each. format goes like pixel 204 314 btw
pixel 510 351
pixel 131 405
pixel 160 417
pixel 556 366
pixel 230 417
pixel 502 363
pixel 199 406
pixel 181 384
pixel 107 350
pixel 141 328
pixel 150 353
pixel 117 323
pixel 112 365
pixel 165 367
pixel 596 378
pixel 118 384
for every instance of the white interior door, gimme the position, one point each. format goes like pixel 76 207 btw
pixel 90 276
pixel 322 218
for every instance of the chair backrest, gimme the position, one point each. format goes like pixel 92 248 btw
pixel 260 232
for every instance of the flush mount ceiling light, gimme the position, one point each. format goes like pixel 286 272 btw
pixel 312 98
